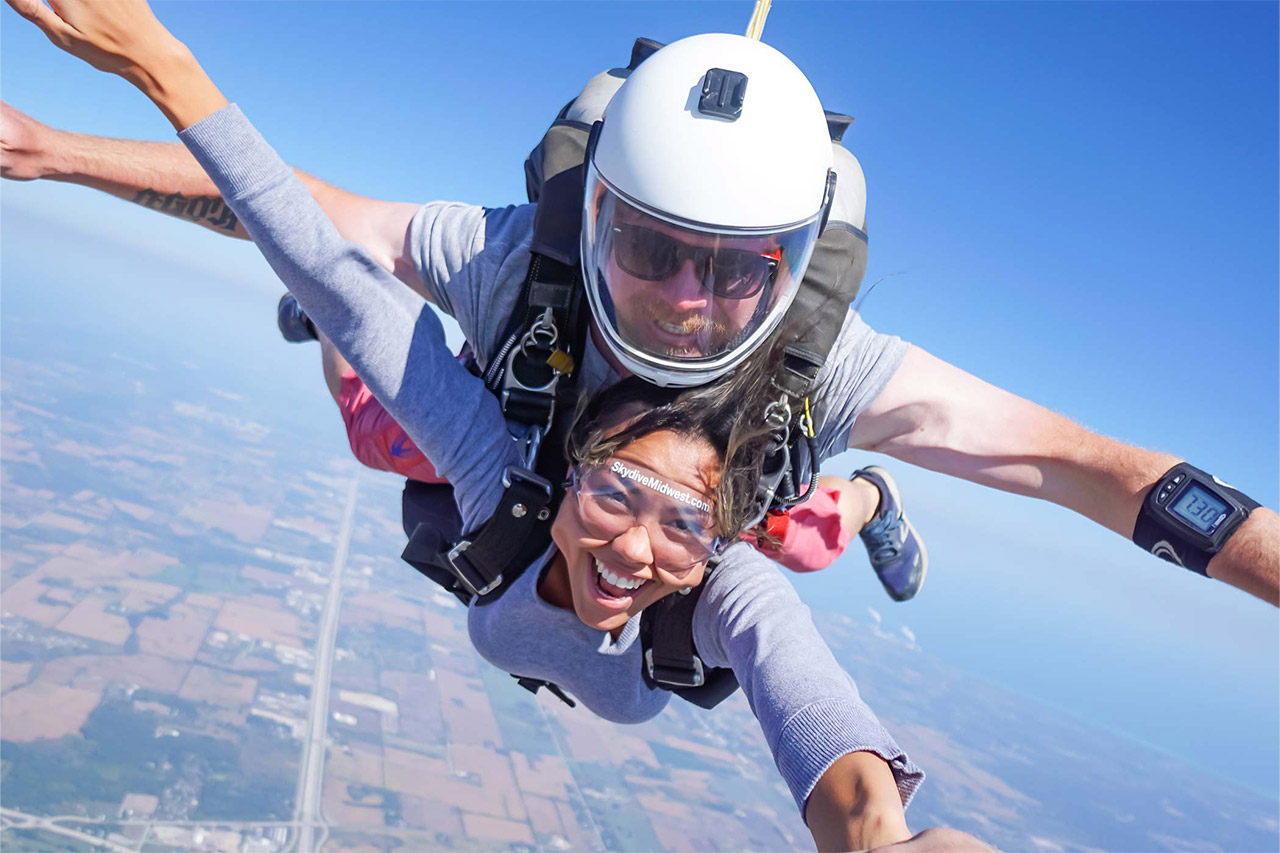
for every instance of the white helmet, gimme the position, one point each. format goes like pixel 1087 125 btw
pixel 708 182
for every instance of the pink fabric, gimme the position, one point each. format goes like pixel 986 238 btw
pixel 376 439
pixel 813 535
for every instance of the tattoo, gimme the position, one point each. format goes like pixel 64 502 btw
pixel 210 209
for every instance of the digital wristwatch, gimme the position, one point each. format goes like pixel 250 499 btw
pixel 1188 515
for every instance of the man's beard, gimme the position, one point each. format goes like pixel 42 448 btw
pixel 708 336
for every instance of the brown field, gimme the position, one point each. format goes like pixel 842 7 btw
pixel 480 826
pixel 411 773
pixel 203 684
pixel 392 611
pixel 466 709
pixel 83 564
pixel 255 665
pixel 89 619
pixel 656 803
pixel 266 577
pixel 705 751
pixel 44 710
pixel 144 595
pixel 342 810
pixel 266 623
pixel 140 805
pixel 361 764
pixel 91 671
pixel 12 556
pixel 429 814
pixel 205 600
pixel 543 816
pixel 179 637
pixel 419 702
pixel 12 674
pixel 590 738
pixel 22 598
pixel 62 595
pixel 244 521
pixel 495 775
pixel 547 775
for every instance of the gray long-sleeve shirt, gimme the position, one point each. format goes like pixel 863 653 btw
pixel 749 617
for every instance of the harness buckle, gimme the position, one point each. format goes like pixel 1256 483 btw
pixel 471 580
pixel 675 676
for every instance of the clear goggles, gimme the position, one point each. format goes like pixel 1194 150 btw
pixel 619 496
pixel 689 300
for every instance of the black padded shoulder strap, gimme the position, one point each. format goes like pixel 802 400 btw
pixel 671 660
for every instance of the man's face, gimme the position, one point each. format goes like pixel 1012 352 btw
pixel 685 294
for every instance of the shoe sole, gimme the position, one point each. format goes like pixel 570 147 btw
pixel 924 551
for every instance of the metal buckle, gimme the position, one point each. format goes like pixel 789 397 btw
pixel 512 474
pixel 466 575
pixel 672 676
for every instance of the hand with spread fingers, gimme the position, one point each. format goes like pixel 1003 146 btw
pixel 123 37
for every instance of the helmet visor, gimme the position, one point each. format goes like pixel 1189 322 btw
pixel 682 296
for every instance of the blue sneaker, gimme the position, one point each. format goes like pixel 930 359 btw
pixel 295 326
pixel 897 553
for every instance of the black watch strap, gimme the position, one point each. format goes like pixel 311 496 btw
pixel 1150 535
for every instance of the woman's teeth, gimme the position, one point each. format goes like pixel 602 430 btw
pixel 614 580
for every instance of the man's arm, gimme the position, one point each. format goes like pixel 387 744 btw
pixel 164 177
pixel 937 416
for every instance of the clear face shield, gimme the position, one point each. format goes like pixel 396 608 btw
pixel 681 303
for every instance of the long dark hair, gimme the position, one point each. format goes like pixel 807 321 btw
pixel 728 414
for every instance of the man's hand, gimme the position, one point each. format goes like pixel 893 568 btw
pixel 937 840
pixel 23 146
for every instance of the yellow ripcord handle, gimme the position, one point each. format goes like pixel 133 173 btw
pixel 756 27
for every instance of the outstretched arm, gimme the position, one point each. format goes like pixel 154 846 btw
pixel 849 778
pixel 163 176
pixel 394 342
pixel 937 416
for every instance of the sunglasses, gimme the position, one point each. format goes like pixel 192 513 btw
pixel 728 273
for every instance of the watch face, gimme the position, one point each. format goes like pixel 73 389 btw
pixel 1200 508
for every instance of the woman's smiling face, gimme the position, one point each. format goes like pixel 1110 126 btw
pixel 612 579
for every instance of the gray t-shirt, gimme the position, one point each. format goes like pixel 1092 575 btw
pixel 474 260
pixel 749 618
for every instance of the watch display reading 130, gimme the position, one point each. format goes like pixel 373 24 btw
pixel 1188 515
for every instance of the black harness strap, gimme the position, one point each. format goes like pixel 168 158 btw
pixel 671 660
pixel 534 373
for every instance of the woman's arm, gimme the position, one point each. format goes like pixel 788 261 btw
pixel 849 778
pixel 382 328
pixel 855 805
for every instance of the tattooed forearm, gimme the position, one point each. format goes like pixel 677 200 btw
pixel 209 210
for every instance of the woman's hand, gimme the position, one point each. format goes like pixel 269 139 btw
pixel 123 37
pixel 117 36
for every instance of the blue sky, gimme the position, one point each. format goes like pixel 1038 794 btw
pixel 1078 202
